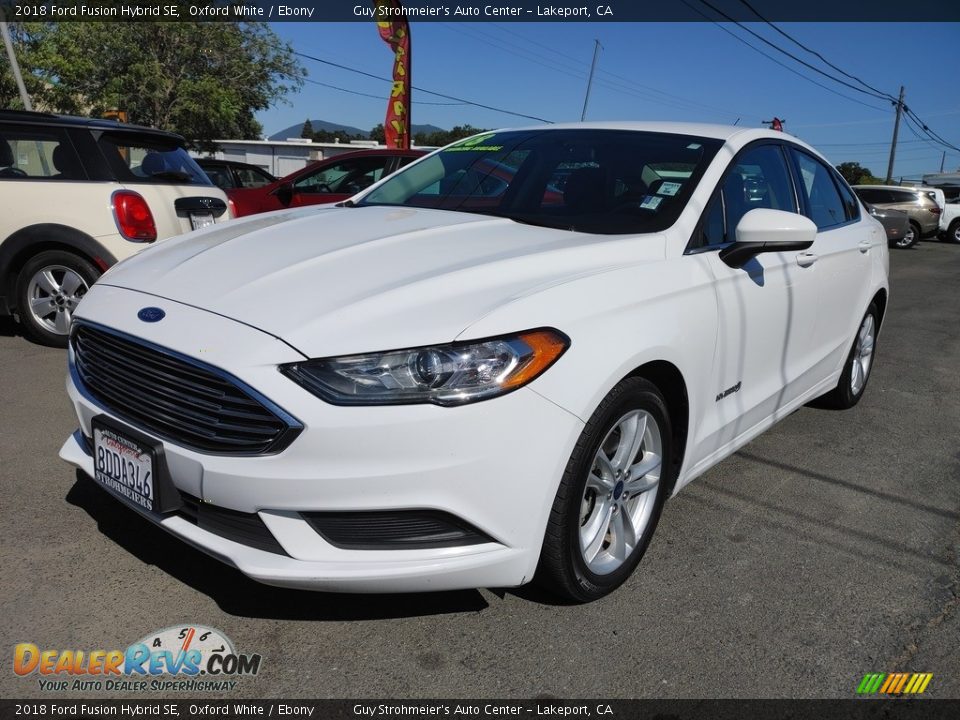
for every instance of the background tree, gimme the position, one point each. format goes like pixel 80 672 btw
pixel 445 137
pixel 202 80
pixel 378 134
pixel 855 174
pixel 307 131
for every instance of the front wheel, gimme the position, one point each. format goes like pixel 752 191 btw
pixel 611 495
pixel 49 288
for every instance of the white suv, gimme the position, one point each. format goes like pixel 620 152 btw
pixel 79 195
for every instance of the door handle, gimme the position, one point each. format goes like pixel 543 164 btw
pixel 806 259
pixel 864 246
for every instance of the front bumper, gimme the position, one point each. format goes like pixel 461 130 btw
pixel 494 464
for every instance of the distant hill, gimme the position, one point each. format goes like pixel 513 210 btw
pixel 294 130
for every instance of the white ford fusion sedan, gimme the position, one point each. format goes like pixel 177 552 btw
pixel 494 365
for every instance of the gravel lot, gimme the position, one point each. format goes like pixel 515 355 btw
pixel 825 549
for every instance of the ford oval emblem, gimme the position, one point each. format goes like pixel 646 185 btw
pixel 151 314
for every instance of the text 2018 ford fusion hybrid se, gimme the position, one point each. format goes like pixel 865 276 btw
pixel 494 365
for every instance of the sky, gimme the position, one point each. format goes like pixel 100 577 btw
pixel 650 71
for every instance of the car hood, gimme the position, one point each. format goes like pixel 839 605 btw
pixel 347 280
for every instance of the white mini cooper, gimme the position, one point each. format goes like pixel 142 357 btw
pixel 494 366
pixel 79 194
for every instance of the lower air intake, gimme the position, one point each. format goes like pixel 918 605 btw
pixel 394 530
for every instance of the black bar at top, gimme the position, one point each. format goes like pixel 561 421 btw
pixel 849 11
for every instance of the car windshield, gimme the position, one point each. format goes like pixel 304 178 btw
pixel 584 180
pixel 150 158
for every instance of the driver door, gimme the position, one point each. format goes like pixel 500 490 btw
pixel 766 309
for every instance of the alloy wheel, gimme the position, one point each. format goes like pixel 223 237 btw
pixel 863 354
pixel 620 492
pixel 53 294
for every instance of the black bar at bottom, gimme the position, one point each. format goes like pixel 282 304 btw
pixel 853 709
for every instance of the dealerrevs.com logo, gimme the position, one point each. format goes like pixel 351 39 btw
pixel 180 658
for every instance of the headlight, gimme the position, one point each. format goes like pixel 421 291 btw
pixel 450 374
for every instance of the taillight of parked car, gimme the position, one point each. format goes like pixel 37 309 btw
pixel 232 207
pixel 133 216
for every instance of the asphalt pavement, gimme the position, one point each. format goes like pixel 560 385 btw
pixel 824 550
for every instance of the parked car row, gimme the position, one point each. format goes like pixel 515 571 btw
pixel 921 208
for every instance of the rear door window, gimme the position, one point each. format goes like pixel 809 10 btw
pixel 252 177
pixel 874 196
pixel 904 196
pixel 38 154
pixel 822 199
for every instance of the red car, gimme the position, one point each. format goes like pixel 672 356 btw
pixel 324 181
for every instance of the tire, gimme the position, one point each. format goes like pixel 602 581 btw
pixel 587 550
pixel 49 287
pixel 856 370
pixel 953 232
pixel 910 238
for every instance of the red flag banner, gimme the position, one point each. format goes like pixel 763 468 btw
pixel 396 33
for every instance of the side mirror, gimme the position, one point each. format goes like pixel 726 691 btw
pixel 763 230
pixel 285 193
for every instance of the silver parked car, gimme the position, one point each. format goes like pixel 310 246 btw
pixel 896 223
pixel 921 207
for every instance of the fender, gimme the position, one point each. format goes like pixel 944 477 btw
pixel 35 238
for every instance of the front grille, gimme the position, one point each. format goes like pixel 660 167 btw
pixel 176 399
pixel 394 529
pixel 244 528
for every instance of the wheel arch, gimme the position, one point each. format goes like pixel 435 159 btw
pixel 670 381
pixel 880 299
pixel 27 242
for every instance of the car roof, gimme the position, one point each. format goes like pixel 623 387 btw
pixel 908 188
pixel 40 118
pixel 708 130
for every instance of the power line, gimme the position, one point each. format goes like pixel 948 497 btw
pixel 932 138
pixel 916 119
pixel 420 89
pixel 369 95
pixel 927 130
pixel 565 67
pixel 779 49
pixel 773 59
pixel 814 52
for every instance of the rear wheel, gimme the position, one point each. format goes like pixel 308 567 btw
pixel 910 238
pixel 611 495
pixel 856 371
pixel 49 288
pixel 953 232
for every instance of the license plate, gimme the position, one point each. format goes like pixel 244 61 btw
pixel 124 466
pixel 200 220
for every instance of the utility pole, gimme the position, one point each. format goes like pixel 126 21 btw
pixel 593 66
pixel 14 66
pixel 943 159
pixel 896 130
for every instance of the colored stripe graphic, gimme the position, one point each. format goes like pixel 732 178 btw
pixel 894 683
